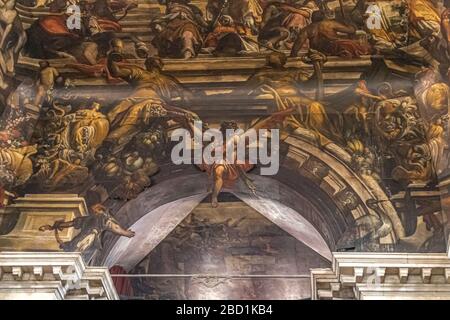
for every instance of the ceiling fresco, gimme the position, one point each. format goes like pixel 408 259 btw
pixel 178 141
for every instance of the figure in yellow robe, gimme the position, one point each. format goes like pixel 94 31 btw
pixel 282 85
pixel 424 18
pixel 153 97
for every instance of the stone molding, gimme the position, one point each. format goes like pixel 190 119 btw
pixel 52 275
pixel 382 276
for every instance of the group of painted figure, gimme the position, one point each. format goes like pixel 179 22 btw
pixel 75 146
pixel 236 27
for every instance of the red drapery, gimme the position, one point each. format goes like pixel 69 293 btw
pixel 122 284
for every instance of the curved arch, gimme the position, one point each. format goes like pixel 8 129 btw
pixel 150 230
pixel 157 221
pixel 315 189
pixel 330 169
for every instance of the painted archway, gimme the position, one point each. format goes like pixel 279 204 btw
pixel 315 196
pixel 153 226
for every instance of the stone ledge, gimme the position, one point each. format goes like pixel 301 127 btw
pixel 383 276
pixel 392 291
pixel 52 275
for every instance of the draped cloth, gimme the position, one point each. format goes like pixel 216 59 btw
pixel 310 115
pixel 239 9
pixel 178 28
pixel 56 25
pixel 232 169
pixel 152 95
pixel 423 10
pixel 297 17
pixel 289 18
pixel 343 48
pixel 423 17
pixel 122 284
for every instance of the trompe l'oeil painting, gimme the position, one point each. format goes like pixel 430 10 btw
pixel 220 149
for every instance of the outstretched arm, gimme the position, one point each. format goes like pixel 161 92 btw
pixel 64 224
pixel 57 225
pixel 273 120
pixel 344 27
pixel 267 123
pixel 114 226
